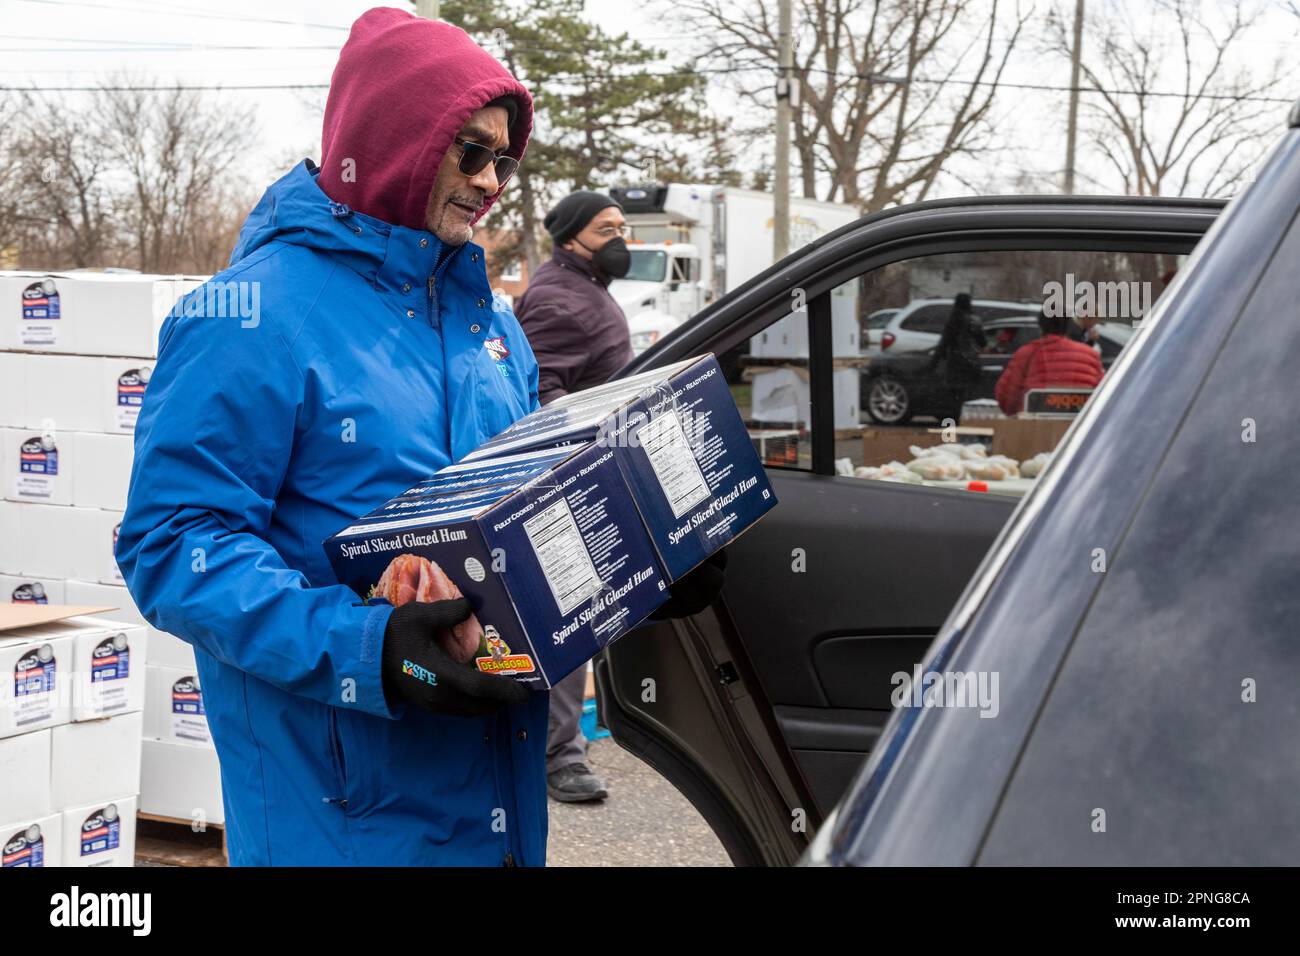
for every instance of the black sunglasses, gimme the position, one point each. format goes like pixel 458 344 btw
pixel 474 158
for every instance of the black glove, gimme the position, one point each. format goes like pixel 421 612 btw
pixel 416 669
pixel 696 591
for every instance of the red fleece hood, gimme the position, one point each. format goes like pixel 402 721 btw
pixel 403 88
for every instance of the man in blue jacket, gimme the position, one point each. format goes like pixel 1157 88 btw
pixel 343 356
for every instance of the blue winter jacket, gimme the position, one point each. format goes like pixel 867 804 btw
pixel 317 376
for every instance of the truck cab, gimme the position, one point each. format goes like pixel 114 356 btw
pixel 661 289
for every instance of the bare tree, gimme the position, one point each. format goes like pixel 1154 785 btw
pixel 1169 108
pixel 175 149
pixel 65 219
pixel 889 91
pixel 14 201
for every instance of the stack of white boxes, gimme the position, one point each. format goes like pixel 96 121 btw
pixel 70 730
pixel 781 392
pixel 76 353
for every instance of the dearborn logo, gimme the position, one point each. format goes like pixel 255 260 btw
pixel 419 673
pixel 513 664
pixel 499 659
pixel 497 347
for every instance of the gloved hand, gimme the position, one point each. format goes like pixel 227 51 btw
pixel 696 591
pixel 415 668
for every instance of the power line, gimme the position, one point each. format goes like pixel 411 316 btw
pixel 171 48
pixel 954 81
pixel 187 13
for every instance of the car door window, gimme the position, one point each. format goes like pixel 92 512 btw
pixel 918 392
pixel 769 378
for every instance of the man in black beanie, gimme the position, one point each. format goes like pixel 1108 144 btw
pixel 580 338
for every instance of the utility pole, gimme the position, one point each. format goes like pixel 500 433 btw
pixel 1073 129
pixel 427 9
pixel 784 94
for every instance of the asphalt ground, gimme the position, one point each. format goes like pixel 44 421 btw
pixel 643 822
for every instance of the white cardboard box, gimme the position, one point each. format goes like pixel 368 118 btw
pixel 30 589
pixel 25 776
pixel 33 842
pixel 781 395
pixel 11 390
pixel 85 313
pixel 38 695
pixel 103 471
pixel 59 541
pixel 95 757
pixel 101 833
pixel 61 393
pixel 173 709
pixel 182 781
pixel 108 526
pixel 39 467
pixel 109 662
pixel 10 536
pixel 164 648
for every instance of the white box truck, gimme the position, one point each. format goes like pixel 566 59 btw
pixel 692 243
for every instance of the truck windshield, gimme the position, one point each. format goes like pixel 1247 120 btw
pixel 647 265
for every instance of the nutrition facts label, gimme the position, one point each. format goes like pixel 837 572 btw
pixel 673 462
pixel 564 559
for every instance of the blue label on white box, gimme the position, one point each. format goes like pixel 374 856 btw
pixel 41 312
pixel 29 592
pixel 189 719
pixel 102 831
pixel 131 385
pixel 38 456
pixel 26 848
pixel 111 659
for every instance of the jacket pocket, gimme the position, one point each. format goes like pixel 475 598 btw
pixel 338 756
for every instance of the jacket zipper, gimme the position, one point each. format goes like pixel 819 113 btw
pixel 340 763
pixel 433 292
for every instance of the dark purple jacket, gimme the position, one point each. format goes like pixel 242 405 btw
pixel 576 329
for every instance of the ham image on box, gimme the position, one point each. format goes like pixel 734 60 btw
pixel 566 530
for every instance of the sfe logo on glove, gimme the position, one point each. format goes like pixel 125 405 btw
pixel 412 669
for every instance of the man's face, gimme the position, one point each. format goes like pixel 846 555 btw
pixel 456 198
pixel 604 226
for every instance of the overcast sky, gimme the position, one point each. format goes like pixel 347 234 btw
pixel 53 43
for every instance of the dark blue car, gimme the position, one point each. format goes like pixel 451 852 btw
pixel 1105 671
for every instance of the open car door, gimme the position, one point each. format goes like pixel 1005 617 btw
pixel 761 709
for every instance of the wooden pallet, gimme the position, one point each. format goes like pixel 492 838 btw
pixel 171 841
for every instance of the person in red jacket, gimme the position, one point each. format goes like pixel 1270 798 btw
pixel 1052 361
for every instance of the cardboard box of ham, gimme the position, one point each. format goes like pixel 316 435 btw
pixel 548 548
pixel 565 530
pixel 681 446
pixel 86 313
pixel 100 833
pixel 164 648
pixel 39 465
pixel 25 771
pixel 26 589
pixel 182 781
pixel 38 660
pixel 32 842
